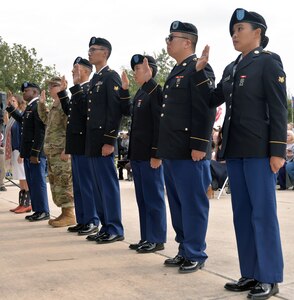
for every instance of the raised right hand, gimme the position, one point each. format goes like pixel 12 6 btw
pixel 125 80
pixel 42 97
pixel 76 75
pixel 147 70
pixel 63 83
pixel 203 60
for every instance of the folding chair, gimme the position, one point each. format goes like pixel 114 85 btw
pixel 222 189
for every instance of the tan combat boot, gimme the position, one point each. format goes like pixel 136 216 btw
pixel 66 218
pixel 56 219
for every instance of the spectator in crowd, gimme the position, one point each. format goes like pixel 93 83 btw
pixel 2 164
pixel 2 158
pixel 13 161
pixel 123 145
pixel 282 174
pixel 290 156
pixel 217 166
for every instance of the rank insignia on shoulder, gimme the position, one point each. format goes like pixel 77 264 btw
pixel 281 79
pixel 115 88
pixel 227 78
pixel 267 52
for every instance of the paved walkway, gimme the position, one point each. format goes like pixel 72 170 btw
pixel 40 262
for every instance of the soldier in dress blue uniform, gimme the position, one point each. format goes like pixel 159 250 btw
pixel 254 142
pixel 103 121
pixel 185 146
pixel 146 166
pixel 85 209
pixel 33 132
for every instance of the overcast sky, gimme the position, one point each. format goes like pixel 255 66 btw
pixel 60 30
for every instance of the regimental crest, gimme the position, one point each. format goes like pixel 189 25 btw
pixel 281 79
pixel 78 60
pixel 240 14
pixel 175 25
pixel 25 85
pixel 136 59
pixel 93 39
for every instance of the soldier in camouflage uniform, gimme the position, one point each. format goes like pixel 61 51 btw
pixel 59 165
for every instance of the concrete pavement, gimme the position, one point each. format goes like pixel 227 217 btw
pixel 41 262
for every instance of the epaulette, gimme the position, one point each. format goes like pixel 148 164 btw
pixel 266 52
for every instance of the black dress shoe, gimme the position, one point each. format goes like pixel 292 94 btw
pixel 40 217
pixel 136 246
pixel 75 228
pixel 189 266
pixel 174 262
pixel 263 291
pixel 150 247
pixel 30 216
pixel 96 236
pixel 109 238
pixel 87 229
pixel 243 284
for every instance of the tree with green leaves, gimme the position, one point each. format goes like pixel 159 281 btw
pixel 19 64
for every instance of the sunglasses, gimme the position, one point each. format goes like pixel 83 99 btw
pixel 171 37
pixel 95 49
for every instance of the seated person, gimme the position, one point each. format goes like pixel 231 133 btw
pixel 218 167
pixel 288 167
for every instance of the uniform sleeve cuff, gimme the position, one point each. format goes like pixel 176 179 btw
pixel 62 94
pixel 124 94
pixel 76 89
pixel 35 152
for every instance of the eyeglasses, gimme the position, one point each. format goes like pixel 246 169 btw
pixel 95 49
pixel 171 37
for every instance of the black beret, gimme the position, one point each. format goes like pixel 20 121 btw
pixel 178 26
pixel 100 42
pixel 29 85
pixel 241 15
pixel 82 61
pixel 138 59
